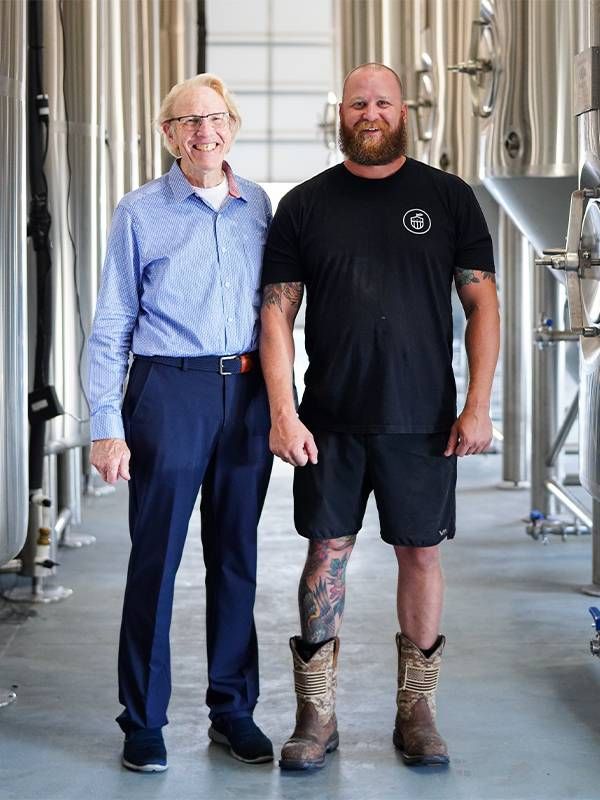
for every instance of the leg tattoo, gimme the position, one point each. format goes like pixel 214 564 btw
pixel 322 590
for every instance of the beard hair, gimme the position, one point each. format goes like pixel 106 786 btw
pixel 392 145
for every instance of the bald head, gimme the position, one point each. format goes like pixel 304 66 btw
pixel 373 117
pixel 373 69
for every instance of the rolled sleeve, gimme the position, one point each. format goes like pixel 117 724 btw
pixel 116 315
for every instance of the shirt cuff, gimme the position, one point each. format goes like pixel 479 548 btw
pixel 106 426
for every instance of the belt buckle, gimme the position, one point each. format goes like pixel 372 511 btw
pixel 222 371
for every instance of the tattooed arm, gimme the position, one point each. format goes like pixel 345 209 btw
pixel 472 431
pixel 289 438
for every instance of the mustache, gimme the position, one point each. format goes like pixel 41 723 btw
pixel 365 126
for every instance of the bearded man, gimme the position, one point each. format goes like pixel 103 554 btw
pixel 377 241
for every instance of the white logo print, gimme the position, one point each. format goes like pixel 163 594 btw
pixel 417 221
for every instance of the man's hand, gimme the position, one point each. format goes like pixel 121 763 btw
pixel 111 459
pixel 292 441
pixel 470 434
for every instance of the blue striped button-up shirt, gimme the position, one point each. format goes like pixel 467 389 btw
pixel 179 279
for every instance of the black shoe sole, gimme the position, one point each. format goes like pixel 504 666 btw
pixel 219 738
pixel 297 766
pixel 419 760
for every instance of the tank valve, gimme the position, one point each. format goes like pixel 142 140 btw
pixel 473 66
pixel 39 499
pixel 43 561
pixel 595 643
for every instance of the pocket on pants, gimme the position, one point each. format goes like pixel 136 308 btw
pixel 137 385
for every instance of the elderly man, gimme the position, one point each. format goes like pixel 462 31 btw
pixel 181 291
pixel 376 241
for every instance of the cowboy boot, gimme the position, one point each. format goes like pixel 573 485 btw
pixel 315 733
pixel 415 734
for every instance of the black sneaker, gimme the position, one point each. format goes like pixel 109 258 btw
pixel 144 750
pixel 244 738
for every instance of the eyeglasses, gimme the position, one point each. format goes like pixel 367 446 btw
pixel 193 122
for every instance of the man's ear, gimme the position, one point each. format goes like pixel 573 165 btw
pixel 166 129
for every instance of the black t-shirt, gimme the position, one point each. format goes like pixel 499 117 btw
pixel 377 257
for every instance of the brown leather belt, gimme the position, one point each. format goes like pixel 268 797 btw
pixel 224 365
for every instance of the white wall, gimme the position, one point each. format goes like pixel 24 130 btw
pixel 277 58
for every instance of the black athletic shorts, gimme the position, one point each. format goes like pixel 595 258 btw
pixel 414 486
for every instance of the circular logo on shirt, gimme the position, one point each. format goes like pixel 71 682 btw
pixel 416 221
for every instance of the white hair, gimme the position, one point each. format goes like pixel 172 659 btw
pixel 204 79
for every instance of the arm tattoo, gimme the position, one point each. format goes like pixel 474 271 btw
pixel 322 590
pixel 274 292
pixel 465 276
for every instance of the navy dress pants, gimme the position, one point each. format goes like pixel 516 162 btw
pixel 188 429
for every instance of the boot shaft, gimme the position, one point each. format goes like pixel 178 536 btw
pixel 418 675
pixel 315 680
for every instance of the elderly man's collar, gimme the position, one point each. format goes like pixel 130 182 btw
pixel 182 188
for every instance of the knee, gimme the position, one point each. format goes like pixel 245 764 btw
pixel 322 552
pixel 424 559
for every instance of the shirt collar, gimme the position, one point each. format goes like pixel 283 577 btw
pixel 182 188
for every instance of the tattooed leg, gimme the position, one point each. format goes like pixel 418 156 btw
pixel 322 590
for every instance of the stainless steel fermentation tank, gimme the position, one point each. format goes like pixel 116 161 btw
pixel 587 107
pixel 579 261
pixel 105 67
pixel 520 67
pixel 13 259
pixel 445 40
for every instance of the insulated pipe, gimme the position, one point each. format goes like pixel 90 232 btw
pixel 516 353
pixel 39 227
pixel 201 58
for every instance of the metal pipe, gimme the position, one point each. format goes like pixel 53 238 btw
pixel 544 333
pixel 55 446
pixel 565 428
pixel 544 391
pixel 516 353
pixel 63 521
pixel 69 483
pixel 555 488
pixel 14 565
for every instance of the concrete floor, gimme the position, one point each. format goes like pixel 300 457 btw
pixel 519 696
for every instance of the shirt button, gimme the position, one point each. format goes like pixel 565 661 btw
pixel 229 319
pixel 227 284
pixel 223 249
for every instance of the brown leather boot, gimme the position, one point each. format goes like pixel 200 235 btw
pixel 315 733
pixel 415 734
